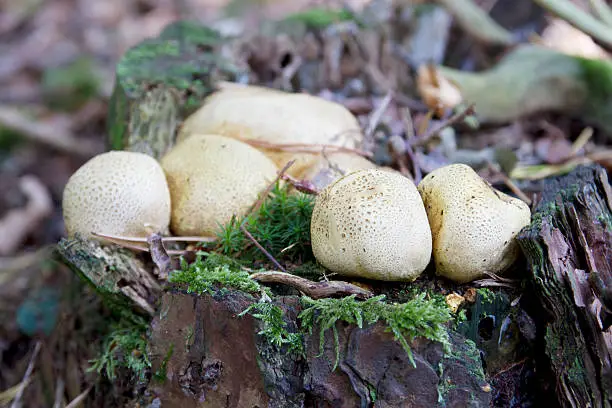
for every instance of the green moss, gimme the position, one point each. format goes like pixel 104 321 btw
pixel 124 347
pixel 274 327
pixel 281 226
pixel 486 295
pixel 161 374
pixel 416 318
pixel 319 18
pixel 200 278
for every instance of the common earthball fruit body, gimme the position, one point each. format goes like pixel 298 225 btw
pixel 372 224
pixel 275 117
pixel 117 193
pixel 211 178
pixel 473 225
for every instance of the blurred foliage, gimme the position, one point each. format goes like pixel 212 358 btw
pixel 69 87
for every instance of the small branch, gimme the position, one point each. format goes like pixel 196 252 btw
pixel 26 377
pixel 164 239
pixel 60 139
pixel 509 183
pixel 457 117
pixel 303 147
pixel 477 22
pixel 20 222
pixel 315 290
pixel 265 193
pixel 261 248
pixel 134 246
pixel 579 18
pixel 376 116
pixel 79 398
pixel 304 186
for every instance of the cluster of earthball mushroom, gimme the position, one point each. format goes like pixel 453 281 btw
pixel 367 221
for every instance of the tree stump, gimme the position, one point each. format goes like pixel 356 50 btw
pixel 569 249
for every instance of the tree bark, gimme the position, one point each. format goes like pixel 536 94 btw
pixel 569 249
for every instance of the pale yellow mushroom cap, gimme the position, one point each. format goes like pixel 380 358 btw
pixel 117 193
pixel 372 224
pixel 473 225
pixel 272 116
pixel 212 178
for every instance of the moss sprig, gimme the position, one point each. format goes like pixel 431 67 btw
pixel 275 327
pixel 209 273
pixel 417 317
pixel 125 346
pixel 281 225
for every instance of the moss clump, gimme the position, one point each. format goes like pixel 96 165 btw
pixel 275 327
pixel 416 318
pixel 124 347
pixel 201 278
pixel 281 225
pixel 319 18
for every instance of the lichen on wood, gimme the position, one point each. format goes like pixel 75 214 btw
pixel 568 247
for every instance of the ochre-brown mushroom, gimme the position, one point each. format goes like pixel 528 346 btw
pixel 117 193
pixel 269 116
pixel 211 178
pixel 473 225
pixel 372 224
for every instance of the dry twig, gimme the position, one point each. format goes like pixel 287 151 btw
pixel 26 377
pixel 303 147
pixel 265 193
pixel 509 183
pixel 262 249
pixel 60 139
pixel 457 117
pixel 376 116
pixel 315 290
pixel 18 223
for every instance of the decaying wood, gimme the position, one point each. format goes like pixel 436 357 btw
pixel 315 290
pixel 569 247
pixel 116 273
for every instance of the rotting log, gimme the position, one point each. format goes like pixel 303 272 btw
pixel 117 274
pixel 211 357
pixel 569 249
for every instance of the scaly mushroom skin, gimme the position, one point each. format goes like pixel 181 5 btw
pixel 117 193
pixel 372 224
pixel 211 178
pixel 272 116
pixel 473 225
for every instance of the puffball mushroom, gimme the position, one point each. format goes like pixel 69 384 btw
pixel 473 225
pixel 276 117
pixel 211 178
pixel 372 224
pixel 117 193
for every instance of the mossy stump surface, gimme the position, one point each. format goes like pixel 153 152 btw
pixel 569 247
pixel 213 357
pixel 159 81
